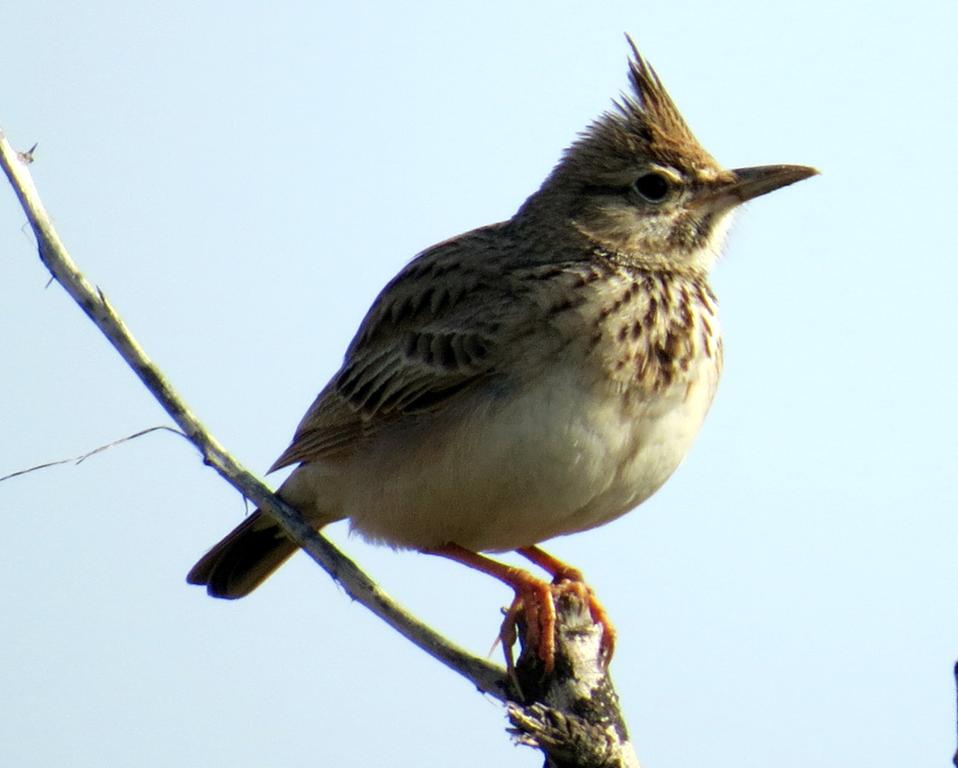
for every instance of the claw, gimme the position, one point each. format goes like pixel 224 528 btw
pixel 566 578
pixel 534 602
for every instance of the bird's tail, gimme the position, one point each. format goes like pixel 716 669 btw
pixel 244 559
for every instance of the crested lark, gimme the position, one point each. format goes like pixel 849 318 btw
pixel 528 379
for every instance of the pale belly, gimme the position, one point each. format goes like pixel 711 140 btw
pixel 511 471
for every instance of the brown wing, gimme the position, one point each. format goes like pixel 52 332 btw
pixel 435 331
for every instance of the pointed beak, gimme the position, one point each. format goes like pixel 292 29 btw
pixel 760 180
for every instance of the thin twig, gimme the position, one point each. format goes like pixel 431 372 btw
pixel 486 676
pixel 84 456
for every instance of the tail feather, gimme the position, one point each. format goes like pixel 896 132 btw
pixel 244 559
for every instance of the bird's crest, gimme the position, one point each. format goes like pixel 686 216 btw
pixel 645 125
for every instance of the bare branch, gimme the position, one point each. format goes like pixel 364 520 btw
pixel 487 677
pixel 571 714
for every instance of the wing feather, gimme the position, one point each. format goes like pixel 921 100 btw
pixel 434 332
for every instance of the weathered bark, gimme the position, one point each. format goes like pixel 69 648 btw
pixel 572 714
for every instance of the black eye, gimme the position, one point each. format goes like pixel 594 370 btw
pixel 654 187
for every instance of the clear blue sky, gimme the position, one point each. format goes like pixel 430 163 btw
pixel 242 180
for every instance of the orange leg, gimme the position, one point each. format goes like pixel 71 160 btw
pixel 565 577
pixel 533 599
pixel 558 570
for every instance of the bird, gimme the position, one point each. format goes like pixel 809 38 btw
pixel 529 379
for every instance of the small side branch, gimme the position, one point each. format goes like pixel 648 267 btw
pixel 84 456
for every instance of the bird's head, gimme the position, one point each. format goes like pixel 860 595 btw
pixel 638 184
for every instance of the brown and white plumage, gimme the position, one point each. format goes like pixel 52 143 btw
pixel 532 378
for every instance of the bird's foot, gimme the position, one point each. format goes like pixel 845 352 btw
pixel 566 579
pixel 533 609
